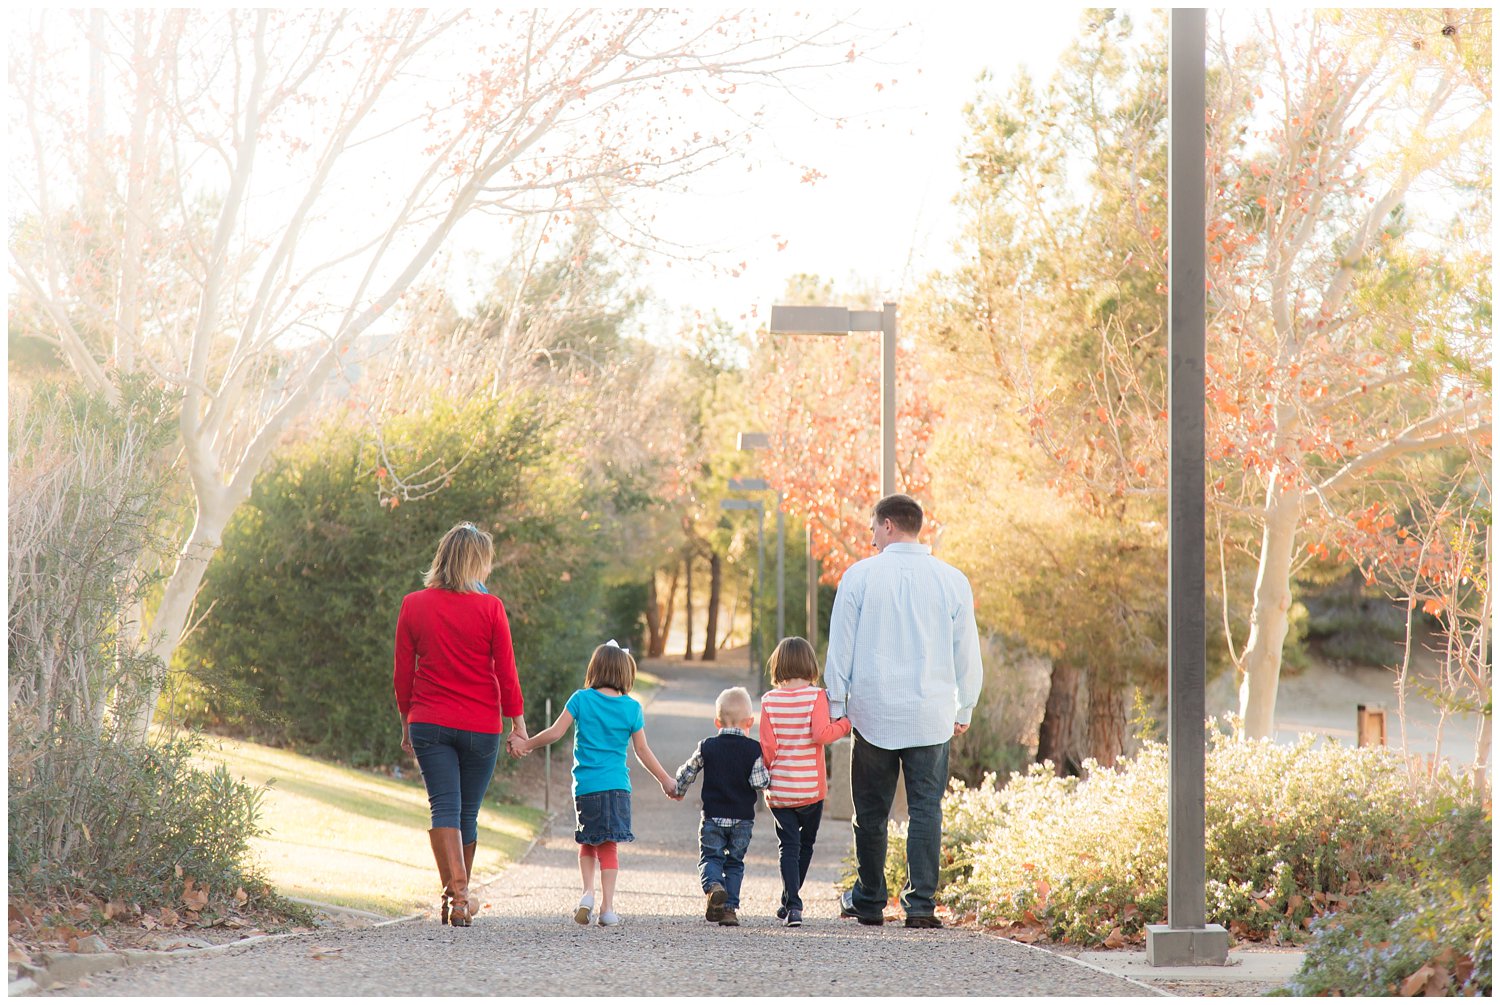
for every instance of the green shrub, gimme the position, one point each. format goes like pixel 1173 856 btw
pixel 304 594
pixel 1292 833
pixel 1426 931
pixel 625 614
pixel 94 809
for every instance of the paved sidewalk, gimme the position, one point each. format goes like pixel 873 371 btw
pixel 526 943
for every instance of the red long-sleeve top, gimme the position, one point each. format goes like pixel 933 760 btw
pixel 454 664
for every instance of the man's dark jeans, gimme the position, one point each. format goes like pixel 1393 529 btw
pixel 796 831
pixel 457 765
pixel 873 780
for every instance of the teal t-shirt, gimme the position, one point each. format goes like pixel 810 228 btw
pixel 602 727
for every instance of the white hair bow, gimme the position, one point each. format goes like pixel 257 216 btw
pixel 617 645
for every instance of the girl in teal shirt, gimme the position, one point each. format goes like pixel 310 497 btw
pixel 610 723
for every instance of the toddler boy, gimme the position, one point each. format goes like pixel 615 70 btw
pixel 732 772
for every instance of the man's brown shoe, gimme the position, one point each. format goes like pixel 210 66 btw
pixel 729 918
pixel 924 921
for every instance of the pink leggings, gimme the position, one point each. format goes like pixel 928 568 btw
pixel 607 853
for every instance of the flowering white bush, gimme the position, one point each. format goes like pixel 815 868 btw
pixel 1292 833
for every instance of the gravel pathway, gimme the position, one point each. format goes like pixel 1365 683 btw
pixel 526 942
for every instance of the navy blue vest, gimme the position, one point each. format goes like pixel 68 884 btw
pixel 727 760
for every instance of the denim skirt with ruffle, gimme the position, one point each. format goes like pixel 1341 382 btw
pixel 602 816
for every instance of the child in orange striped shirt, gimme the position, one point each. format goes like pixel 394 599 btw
pixel 794 729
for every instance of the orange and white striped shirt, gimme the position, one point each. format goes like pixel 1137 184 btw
pixel 794 728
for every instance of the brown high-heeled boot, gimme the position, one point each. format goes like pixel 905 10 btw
pixel 469 871
pixel 448 853
pixel 435 835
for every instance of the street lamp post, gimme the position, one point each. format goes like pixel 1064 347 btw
pixel 761 485
pixel 1185 940
pixel 760 566
pixel 760 441
pixel 799 320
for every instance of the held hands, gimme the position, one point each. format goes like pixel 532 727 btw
pixel 669 788
pixel 517 746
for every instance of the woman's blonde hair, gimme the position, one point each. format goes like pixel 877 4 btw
pixel 793 659
pixel 463 560
pixel 611 666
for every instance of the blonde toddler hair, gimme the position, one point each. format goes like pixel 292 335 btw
pixel 733 706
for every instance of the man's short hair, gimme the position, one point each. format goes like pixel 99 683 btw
pixel 733 706
pixel 901 510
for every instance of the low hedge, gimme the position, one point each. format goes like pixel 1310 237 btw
pixel 1294 834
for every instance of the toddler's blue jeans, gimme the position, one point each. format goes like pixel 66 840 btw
pixel 721 856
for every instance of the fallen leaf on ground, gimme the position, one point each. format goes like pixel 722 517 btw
pixel 194 898
pixel 1416 982
pixel 1115 940
pixel 168 918
pixel 326 952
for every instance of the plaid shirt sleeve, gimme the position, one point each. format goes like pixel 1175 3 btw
pixel 690 769
pixel 760 775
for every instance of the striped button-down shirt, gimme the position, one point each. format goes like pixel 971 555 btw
pixel 903 648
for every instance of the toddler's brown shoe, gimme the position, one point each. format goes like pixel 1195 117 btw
pixel 729 917
pixel 716 896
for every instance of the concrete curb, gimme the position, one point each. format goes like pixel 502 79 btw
pixel 1087 966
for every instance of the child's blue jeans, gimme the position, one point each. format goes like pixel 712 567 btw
pixel 796 831
pixel 721 856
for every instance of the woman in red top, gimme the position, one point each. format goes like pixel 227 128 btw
pixel 455 679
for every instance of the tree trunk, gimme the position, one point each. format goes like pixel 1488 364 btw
pixel 687 607
pixel 1107 721
pixel 653 617
pixel 715 587
pixel 177 599
pixel 1268 617
pixel 666 617
pixel 1055 737
pixel 734 612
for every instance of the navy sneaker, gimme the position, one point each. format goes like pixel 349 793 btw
pixel 793 919
pixel 846 910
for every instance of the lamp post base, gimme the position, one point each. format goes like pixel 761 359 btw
pixel 1187 947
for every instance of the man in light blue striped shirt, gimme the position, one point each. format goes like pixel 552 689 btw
pixel 903 658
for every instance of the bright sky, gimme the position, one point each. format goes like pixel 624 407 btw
pixel 882 214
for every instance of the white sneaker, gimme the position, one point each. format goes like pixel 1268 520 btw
pixel 585 908
pixel 608 919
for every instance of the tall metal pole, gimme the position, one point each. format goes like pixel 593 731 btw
pixel 755 590
pixel 780 571
pixel 1185 939
pixel 547 769
pixel 887 399
pixel 812 590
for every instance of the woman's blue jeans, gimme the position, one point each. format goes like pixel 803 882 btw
pixel 457 765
